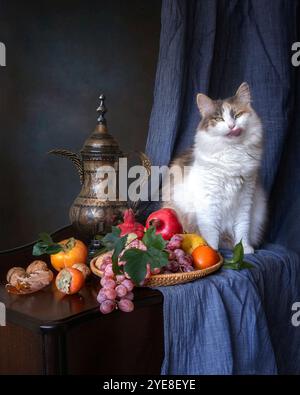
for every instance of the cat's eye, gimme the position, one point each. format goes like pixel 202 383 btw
pixel 239 114
pixel 218 119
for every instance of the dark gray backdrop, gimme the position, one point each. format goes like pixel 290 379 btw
pixel 60 56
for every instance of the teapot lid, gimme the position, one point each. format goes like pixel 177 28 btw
pixel 100 142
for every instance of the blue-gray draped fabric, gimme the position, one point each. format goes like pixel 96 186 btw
pixel 235 322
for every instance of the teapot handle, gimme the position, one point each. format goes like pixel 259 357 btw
pixel 75 158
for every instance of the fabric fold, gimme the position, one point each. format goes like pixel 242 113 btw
pixel 235 322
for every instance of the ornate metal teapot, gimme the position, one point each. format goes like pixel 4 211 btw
pixel 92 213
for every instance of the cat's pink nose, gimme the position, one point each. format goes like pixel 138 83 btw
pixel 231 125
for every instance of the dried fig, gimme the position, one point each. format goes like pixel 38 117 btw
pixel 36 266
pixel 14 274
pixel 36 277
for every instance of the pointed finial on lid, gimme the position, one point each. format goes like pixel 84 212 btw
pixel 101 110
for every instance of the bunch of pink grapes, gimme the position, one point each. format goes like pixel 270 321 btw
pixel 116 291
pixel 179 261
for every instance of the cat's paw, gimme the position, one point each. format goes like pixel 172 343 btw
pixel 248 250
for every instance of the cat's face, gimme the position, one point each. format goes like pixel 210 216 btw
pixel 227 119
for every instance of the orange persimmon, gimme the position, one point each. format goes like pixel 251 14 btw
pixel 204 257
pixel 74 251
pixel 69 281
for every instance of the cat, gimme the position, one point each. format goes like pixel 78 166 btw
pixel 221 196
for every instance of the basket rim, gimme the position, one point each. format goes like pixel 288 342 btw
pixel 167 276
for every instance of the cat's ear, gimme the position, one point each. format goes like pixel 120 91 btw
pixel 243 93
pixel 205 104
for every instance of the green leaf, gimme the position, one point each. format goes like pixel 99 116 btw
pixel 238 254
pixel 237 261
pixel 112 238
pixel 41 248
pixel 46 238
pixel 232 266
pixel 46 245
pixel 151 239
pixel 157 258
pixel 43 244
pixel 119 247
pixel 38 249
pixel 136 262
pixel 246 265
pixel 54 249
pixel 238 266
pixel 113 241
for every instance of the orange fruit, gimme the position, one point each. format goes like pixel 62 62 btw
pixel 190 241
pixel 69 281
pixel 74 251
pixel 204 257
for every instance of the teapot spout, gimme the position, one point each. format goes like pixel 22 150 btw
pixel 75 158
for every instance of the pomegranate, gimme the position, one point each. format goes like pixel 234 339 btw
pixel 166 222
pixel 130 225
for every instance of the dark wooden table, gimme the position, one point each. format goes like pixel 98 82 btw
pixel 47 333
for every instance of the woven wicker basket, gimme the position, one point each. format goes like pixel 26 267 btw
pixel 162 280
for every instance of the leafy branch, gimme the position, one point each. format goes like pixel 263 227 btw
pixel 237 261
pixel 46 245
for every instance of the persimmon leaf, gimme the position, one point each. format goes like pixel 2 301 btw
pixel 41 248
pixel 45 237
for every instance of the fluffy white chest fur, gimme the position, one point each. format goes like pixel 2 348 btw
pixel 221 196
